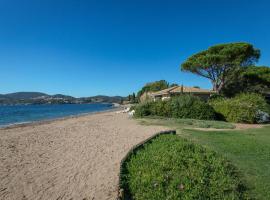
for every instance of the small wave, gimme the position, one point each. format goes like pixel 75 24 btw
pixel 15 124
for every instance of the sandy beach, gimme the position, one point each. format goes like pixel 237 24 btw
pixel 73 158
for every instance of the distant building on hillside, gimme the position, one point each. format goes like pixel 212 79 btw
pixel 178 90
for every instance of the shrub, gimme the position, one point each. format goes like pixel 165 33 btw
pixel 184 106
pixel 143 109
pixel 187 106
pixel 161 108
pixel 169 167
pixel 246 108
pixel 216 96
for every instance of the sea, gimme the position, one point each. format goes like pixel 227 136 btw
pixel 19 114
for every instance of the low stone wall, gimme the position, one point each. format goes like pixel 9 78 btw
pixel 122 192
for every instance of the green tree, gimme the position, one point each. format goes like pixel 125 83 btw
pixel 173 84
pixel 153 87
pixel 249 79
pixel 133 98
pixel 218 61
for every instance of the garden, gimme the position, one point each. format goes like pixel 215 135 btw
pixel 208 158
pixel 170 167
pixel 243 108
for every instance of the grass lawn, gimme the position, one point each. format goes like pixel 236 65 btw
pixel 248 150
pixel 171 168
pixel 185 123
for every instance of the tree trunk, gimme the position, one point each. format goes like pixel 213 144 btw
pixel 220 87
pixel 217 87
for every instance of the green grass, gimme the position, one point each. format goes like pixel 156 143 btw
pixel 186 123
pixel 172 168
pixel 248 150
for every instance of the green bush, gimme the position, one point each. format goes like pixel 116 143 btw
pixel 187 106
pixel 216 96
pixel 242 108
pixel 184 106
pixel 143 109
pixel 161 108
pixel 170 167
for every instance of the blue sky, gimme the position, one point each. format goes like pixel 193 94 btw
pixel 113 47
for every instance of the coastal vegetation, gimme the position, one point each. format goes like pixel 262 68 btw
pixel 154 87
pixel 254 79
pixel 245 108
pixel 208 159
pixel 219 61
pixel 170 167
pixel 184 106
pixel 185 123
pixel 247 149
pixel 242 89
pixel 132 98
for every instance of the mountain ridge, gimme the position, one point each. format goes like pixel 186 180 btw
pixel 43 98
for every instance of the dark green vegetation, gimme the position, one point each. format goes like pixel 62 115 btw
pixel 155 86
pixel 229 67
pixel 247 108
pixel 248 79
pixel 244 108
pixel 42 98
pixel 248 150
pixel 132 98
pixel 185 166
pixel 183 106
pixel 172 168
pixel 217 62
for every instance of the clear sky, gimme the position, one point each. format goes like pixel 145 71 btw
pixel 113 47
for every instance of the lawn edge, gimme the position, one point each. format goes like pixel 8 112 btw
pixel 121 191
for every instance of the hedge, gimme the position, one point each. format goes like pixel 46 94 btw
pixel 184 106
pixel 244 108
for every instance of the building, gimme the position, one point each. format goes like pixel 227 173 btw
pixel 178 90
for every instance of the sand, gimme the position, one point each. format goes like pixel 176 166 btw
pixel 73 158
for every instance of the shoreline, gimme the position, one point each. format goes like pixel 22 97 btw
pixel 48 121
pixel 76 157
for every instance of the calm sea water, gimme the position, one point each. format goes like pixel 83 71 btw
pixel 29 113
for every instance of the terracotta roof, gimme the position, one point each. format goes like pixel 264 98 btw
pixel 165 91
pixel 179 89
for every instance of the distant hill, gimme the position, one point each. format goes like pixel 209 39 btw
pixel 102 98
pixel 62 96
pixel 24 95
pixel 43 98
